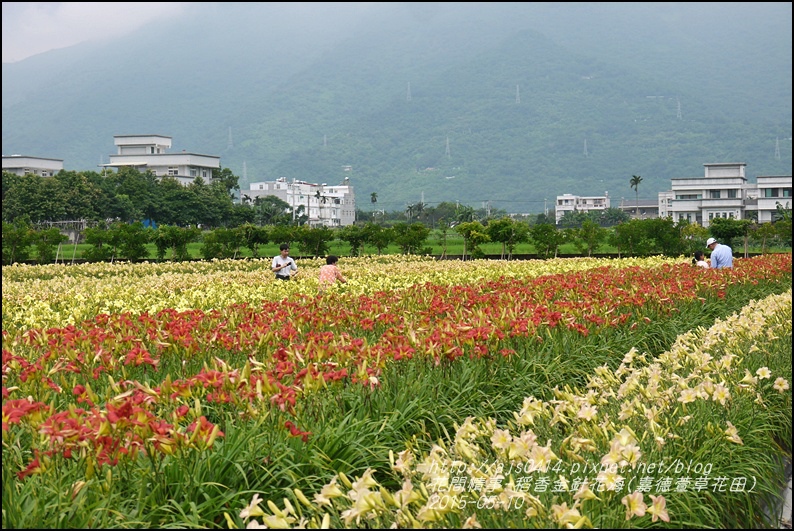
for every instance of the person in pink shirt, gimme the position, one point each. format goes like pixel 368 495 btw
pixel 330 273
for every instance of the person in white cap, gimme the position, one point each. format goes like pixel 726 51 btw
pixel 721 255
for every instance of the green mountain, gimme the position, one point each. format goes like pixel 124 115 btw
pixel 506 103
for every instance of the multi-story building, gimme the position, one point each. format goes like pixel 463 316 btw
pixel 325 205
pixel 150 152
pixel 723 192
pixel 26 165
pixel 640 208
pixel 570 203
pixel 772 190
pixel 720 193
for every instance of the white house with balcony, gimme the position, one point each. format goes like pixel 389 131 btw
pixel 771 191
pixel 150 152
pixel 570 203
pixel 325 205
pixel 724 192
pixel 26 165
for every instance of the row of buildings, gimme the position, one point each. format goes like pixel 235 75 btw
pixel 723 191
pixel 331 206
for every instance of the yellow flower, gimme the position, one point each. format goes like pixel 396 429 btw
pixel 720 394
pixel 749 379
pixel 328 492
pixel 587 412
pixel 501 439
pixel 657 509
pixel 780 385
pixel 634 505
pixel 565 515
pixel 763 373
pixel 253 509
pixel 687 396
pixel 733 434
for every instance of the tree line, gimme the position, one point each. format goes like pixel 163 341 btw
pixel 117 204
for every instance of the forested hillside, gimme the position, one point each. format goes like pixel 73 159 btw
pixel 510 104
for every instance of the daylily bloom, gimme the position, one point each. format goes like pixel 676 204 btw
pixel 780 385
pixel 634 505
pixel 763 373
pixel 733 434
pixel 657 509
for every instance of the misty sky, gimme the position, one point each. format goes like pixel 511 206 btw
pixel 30 28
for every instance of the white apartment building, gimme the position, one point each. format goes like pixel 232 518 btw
pixel 150 152
pixel 326 205
pixel 569 203
pixel 723 192
pixel 26 165
pixel 771 191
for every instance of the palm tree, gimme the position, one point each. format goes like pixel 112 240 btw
pixel 635 183
pixel 373 197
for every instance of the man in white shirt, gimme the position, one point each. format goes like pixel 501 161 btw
pixel 283 264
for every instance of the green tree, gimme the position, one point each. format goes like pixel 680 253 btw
pixel 222 242
pixel 254 236
pixel 377 236
pixel 764 232
pixel 630 239
pixel 354 236
pixel 270 210
pixel 547 239
pixel 590 237
pixel 133 238
pixel 314 241
pixel 411 238
pixel 17 237
pixel 99 238
pixel 46 242
pixel 508 232
pixel 474 235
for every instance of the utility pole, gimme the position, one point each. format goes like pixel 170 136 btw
pixel 678 114
pixel 518 95
pixel 447 152
pixel 585 147
pixel 230 144
pixel 777 148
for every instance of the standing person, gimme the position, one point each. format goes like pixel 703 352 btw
pixel 284 262
pixel 700 260
pixel 721 255
pixel 330 273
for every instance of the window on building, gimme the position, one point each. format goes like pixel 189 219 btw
pixel 714 194
pixel 204 173
pixel 711 215
pixel 785 192
pixel 193 172
pixel 732 194
pixel 771 192
pixel 173 170
pixel 151 150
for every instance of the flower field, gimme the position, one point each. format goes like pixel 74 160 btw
pixel 422 393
